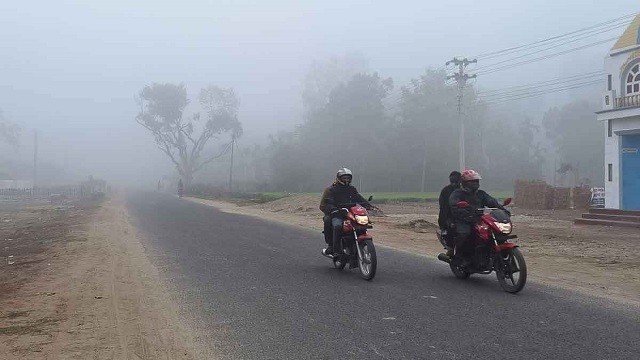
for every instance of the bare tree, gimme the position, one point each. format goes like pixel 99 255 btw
pixel 9 132
pixel 185 141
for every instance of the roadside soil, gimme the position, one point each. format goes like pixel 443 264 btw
pixel 594 260
pixel 80 287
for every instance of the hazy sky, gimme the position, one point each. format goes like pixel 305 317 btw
pixel 71 68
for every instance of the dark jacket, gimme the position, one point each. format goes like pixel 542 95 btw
pixel 476 201
pixel 337 194
pixel 445 216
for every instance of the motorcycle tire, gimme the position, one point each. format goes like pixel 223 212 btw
pixel 369 263
pixel 458 271
pixel 514 259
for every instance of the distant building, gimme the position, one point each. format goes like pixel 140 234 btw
pixel 16 184
pixel 621 113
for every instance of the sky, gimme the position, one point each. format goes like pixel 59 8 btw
pixel 71 69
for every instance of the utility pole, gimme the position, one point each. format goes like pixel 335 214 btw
pixel 461 79
pixel 35 158
pixel 233 143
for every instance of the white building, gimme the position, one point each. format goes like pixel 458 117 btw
pixel 621 112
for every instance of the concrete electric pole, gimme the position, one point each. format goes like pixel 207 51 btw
pixel 35 159
pixel 233 143
pixel 461 79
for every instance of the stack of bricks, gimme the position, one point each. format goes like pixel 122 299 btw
pixel 533 194
pixel 542 196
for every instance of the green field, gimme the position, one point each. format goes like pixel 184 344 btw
pixel 381 197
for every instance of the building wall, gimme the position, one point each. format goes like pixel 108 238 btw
pixel 612 156
pixel 617 63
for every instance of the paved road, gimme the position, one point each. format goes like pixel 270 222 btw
pixel 263 291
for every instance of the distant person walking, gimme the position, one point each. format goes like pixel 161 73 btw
pixel 180 188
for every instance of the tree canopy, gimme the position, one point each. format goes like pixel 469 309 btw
pixel 184 139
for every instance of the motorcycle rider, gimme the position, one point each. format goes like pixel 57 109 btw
pixel 444 216
pixel 465 217
pixel 340 192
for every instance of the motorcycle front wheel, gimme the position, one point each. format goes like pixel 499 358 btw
pixel 368 263
pixel 512 271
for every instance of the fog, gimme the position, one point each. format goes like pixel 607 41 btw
pixel 72 70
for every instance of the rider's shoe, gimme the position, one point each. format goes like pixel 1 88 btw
pixel 449 252
pixel 328 251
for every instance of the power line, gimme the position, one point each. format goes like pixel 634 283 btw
pixel 539 93
pixel 557 37
pixel 509 66
pixel 538 86
pixel 590 74
pixel 537 51
pixel 562 42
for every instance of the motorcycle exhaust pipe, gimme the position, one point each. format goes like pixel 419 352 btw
pixel 444 257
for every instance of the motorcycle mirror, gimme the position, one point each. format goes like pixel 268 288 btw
pixel 463 204
pixel 507 201
pixel 370 198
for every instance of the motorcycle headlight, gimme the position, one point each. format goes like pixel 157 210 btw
pixel 362 219
pixel 505 228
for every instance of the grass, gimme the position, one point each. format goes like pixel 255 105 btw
pixel 381 197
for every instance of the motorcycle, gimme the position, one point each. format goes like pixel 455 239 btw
pixel 356 245
pixel 492 250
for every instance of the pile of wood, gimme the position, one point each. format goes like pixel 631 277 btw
pixel 542 196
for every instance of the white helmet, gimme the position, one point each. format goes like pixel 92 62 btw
pixel 342 172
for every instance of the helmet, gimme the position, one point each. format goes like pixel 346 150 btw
pixel 342 172
pixel 469 175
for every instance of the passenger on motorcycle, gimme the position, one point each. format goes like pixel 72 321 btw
pixel 340 192
pixel 445 217
pixel 464 218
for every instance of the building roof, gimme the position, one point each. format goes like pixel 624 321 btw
pixel 630 37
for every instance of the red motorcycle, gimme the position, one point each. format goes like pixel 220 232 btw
pixel 492 250
pixel 356 245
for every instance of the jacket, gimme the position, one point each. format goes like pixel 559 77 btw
pixel 476 201
pixel 337 194
pixel 445 216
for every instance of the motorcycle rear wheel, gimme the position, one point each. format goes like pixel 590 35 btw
pixel 514 261
pixel 368 264
pixel 459 271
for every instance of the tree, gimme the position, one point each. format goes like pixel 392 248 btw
pixel 9 132
pixel 349 130
pixel 185 141
pixel 324 76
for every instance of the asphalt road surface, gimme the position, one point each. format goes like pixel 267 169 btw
pixel 261 290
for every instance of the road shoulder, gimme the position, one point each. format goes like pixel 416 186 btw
pixel 96 297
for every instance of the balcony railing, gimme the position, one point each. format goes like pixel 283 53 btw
pixel 627 101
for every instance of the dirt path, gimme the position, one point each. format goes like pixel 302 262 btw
pixel 95 296
pixel 593 260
